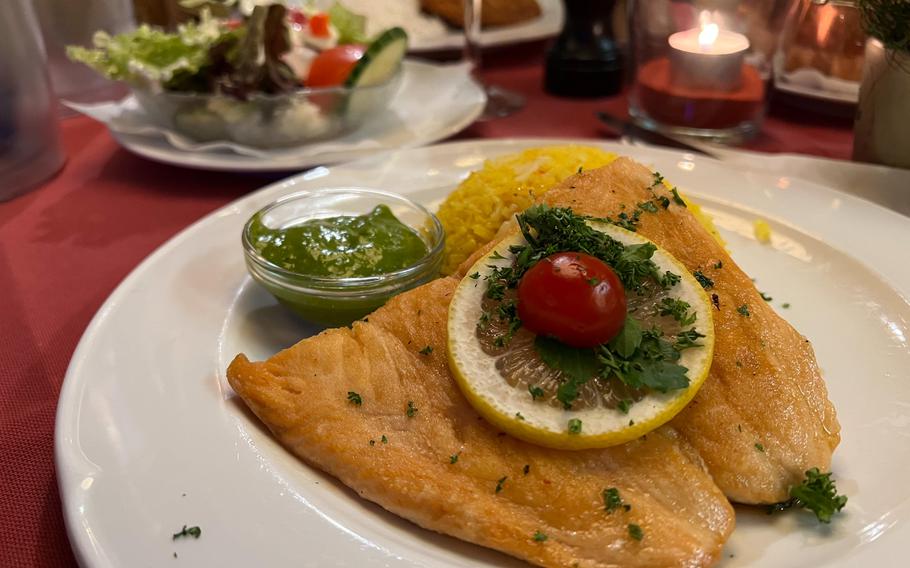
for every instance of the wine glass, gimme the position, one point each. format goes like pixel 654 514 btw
pixel 500 102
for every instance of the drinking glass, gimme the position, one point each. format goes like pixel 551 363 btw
pixel 30 150
pixel 65 22
pixel 500 102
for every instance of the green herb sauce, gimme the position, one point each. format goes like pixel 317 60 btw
pixel 341 247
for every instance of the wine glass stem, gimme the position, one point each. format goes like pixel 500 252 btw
pixel 472 21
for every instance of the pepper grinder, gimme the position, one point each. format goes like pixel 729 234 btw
pixel 585 60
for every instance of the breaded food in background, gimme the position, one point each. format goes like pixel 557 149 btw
pixel 494 12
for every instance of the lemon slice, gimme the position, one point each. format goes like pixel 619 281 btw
pixel 487 377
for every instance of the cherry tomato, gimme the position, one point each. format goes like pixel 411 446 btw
pixel 573 297
pixel 319 25
pixel 332 66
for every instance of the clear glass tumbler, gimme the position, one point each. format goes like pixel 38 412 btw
pixel 68 22
pixel 30 150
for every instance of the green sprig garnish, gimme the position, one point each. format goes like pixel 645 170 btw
pixel 613 501
pixel 817 493
pixel 194 532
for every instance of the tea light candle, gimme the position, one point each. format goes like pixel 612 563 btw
pixel 707 58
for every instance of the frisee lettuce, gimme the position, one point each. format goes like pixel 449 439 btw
pixel 148 56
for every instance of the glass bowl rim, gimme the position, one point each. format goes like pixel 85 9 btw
pixel 256 97
pixel 331 284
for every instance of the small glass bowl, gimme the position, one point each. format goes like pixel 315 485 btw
pixel 333 301
pixel 268 121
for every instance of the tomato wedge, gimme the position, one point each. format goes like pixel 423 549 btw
pixel 331 67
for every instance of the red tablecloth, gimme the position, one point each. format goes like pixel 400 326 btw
pixel 66 246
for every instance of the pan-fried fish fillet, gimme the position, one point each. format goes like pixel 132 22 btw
pixel 301 395
pixel 764 386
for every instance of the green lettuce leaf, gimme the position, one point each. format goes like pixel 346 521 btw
pixel 148 56
pixel 352 28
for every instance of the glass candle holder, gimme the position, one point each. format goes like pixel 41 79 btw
pixel 702 67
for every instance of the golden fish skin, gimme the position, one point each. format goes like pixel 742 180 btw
pixel 762 418
pixel 301 395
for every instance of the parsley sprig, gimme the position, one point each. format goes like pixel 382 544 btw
pixel 817 493
pixel 639 358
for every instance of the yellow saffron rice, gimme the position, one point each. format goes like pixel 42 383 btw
pixel 504 186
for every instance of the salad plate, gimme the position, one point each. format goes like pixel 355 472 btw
pixel 150 438
pixel 433 102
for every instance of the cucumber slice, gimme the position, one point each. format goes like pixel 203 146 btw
pixel 381 60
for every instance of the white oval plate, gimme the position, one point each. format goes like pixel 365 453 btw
pixel 150 438
pixel 434 102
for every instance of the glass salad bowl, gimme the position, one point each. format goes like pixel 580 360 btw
pixel 268 121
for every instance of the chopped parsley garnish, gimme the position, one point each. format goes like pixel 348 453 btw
pixel 705 282
pixel 678 310
pixel 639 358
pixel 548 230
pixel 687 339
pixel 715 299
pixel 454 458
pixel 474 276
pixel 648 206
pixel 412 410
pixel 578 365
pixel 354 398
pixel 743 310
pixel 817 493
pixel 194 532
pixel 574 426
pixel 669 279
pixel 765 297
pixel 539 537
pixel 658 179
pixel 664 201
pixel 719 264
pixel 785 305
pixel 526 469
pixel 384 440
pixel 635 531
pixel 426 350
pixel 501 482
pixel 676 198
pixel 759 447
pixel 519 416
pixel 593 281
pixel 624 405
pixel 613 501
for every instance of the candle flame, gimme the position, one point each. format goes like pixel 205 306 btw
pixel 708 35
